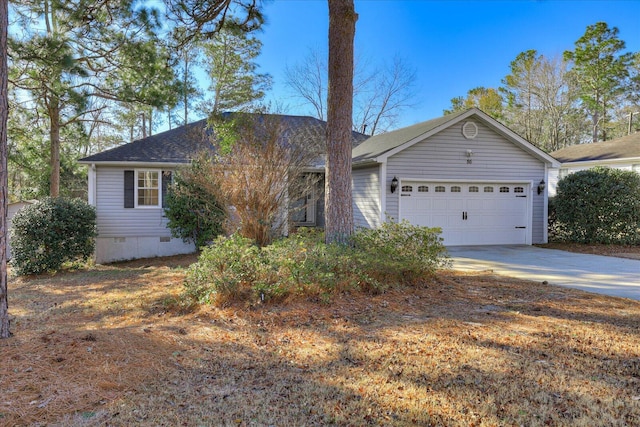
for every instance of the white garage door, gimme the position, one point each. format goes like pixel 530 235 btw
pixel 469 213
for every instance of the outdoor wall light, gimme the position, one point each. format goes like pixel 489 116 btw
pixel 541 186
pixel 394 184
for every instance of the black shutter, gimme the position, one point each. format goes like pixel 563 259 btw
pixel 129 189
pixel 166 182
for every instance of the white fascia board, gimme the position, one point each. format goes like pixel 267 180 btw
pixel 366 163
pixel 151 165
pixel 592 163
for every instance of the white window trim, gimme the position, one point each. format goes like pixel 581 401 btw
pixel 135 189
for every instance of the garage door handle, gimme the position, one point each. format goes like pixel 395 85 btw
pixel 464 216
pixel 521 227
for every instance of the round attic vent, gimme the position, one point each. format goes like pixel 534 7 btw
pixel 469 130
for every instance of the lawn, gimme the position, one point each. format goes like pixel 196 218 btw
pixel 107 347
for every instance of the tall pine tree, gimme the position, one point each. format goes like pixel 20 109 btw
pixel 65 53
pixel 4 114
pixel 600 69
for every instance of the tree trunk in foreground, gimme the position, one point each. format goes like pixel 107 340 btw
pixel 4 113
pixel 338 199
pixel 54 141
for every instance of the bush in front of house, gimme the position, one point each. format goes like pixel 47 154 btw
pixel 399 251
pixel 599 205
pixel 52 232
pixel 191 206
pixel 226 270
pixel 236 269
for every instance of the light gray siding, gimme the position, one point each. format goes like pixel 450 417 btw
pixel 129 233
pixel 116 221
pixel 366 197
pixel 444 157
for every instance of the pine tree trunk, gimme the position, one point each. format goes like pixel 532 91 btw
pixel 338 198
pixel 4 113
pixel 54 140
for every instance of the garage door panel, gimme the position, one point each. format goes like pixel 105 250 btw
pixel 472 214
pixel 411 205
pixel 423 204
pixel 455 204
pixel 477 204
pixel 453 237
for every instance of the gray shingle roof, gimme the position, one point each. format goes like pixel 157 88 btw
pixel 621 148
pixel 177 145
pixel 180 145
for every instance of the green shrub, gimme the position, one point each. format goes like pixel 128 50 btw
pixel 47 234
pixel 235 268
pixel 309 266
pixel 400 252
pixel 557 230
pixel 226 270
pixel 599 205
pixel 191 207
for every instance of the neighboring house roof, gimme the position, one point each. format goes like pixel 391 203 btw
pixel 379 147
pixel 180 145
pixel 626 147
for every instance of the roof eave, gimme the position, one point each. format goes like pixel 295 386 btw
pixel 134 163
pixel 366 162
pixel 595 162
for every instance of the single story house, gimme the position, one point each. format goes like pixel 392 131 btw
pixel 464 172
pixel 621 153
pixel 127 185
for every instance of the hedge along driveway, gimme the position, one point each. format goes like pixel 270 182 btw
pixel 592 273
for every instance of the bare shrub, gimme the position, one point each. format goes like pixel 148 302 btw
pixel 260 168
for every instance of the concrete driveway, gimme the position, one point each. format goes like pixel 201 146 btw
pixel 593 273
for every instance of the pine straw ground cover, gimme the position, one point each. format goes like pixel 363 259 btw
pixel 100 348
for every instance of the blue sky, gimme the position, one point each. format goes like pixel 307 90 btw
pixel 454 45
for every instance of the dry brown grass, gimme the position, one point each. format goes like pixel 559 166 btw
pixel 100 348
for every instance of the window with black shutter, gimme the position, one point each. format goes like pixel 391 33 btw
pixel 129 189
pixel 166 182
